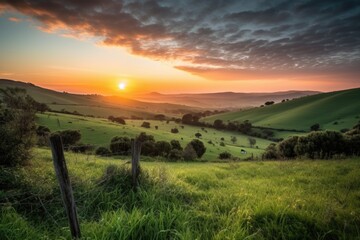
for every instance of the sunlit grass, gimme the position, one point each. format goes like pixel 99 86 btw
pixel 254 200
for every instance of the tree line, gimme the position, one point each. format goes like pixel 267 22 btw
pixel 317 145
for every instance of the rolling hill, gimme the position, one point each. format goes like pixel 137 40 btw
pixel 223 100
pixel 333 110
pixel 97 105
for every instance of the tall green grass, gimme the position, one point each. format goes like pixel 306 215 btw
pixel 244 200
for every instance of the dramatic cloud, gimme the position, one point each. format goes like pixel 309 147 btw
pixel 244 38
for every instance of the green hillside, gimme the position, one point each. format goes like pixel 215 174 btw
pixel 334 110
pixel 99 132
pixel 97 105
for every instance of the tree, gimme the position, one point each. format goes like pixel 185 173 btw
pixel 119 120
pixel 268 103
pixel 270 152
pixel 160 117
pixel 233 139
pixel 120 145
pixel 162 148
pixel 70 137
pixel 252 141
pixel 143 137
pixel 218 124
pixel 189 153
pixel 148 148
pixel 225 155
pixel 187 118
pixel 199 147
pixel 17 126
pixel 103 151
pixel 315 127
pixel 286 148
pixel 42 133
pixel 174 130
pixel 175 154
pixel 145 125
pixel 175 144
pixel 198 135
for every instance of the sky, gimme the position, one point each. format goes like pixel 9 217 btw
pixel 91 46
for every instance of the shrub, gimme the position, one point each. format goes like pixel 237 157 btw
pixel 222 144
pixel 175 144
pixel 42 133
pixel 102 151
pixel 148 148
pixel 143 137
pixel 174 130
pixel 198 135
pixel 145 125
pixel 199 147
pixel 270 152
pixel 120 145
pixel 175 154
pixel 17 126
pixel 218 124
pixel 82 148
pixel 189 153
pixel 233 139
pixel 252 141
pixel 315 127
pixel 70 137
pixel 286 148
pixel 162 148
pixel 225 155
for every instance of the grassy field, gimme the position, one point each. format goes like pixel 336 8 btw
pixel 99 132
pixel 334 111
pixel 244 200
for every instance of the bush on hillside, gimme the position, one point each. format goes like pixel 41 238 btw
pixel 70 137
pixel 175 154
pixel 145 125
pixel 174 130
pixel 162 148
pixel 199 147
pixel 175 144
pixel 103 151
pixel 189 153
pixel 225 155
pixel 120 145
pixel 82 148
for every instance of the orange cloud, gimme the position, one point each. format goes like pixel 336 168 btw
pixel 14 19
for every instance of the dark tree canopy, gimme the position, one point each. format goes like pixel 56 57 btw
pixel 199 147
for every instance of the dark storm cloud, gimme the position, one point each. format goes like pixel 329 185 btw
pixel 229 35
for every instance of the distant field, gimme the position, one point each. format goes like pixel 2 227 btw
pixel 97 105
pixel 245 200
pixel 334 111
pixel 99 132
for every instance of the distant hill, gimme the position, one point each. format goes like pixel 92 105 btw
pixel 223 100
pixel 97 105
pixel 333 110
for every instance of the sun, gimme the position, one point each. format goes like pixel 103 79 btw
pixel 122 86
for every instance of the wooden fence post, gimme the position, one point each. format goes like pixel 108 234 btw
pixel 65 185
pixel 135 157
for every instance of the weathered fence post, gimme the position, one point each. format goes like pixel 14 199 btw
pixel 65 185
pixel 135 157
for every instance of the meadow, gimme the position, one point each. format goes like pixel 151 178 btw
pixel 333 111
pixel 99 131
pixel 231 200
